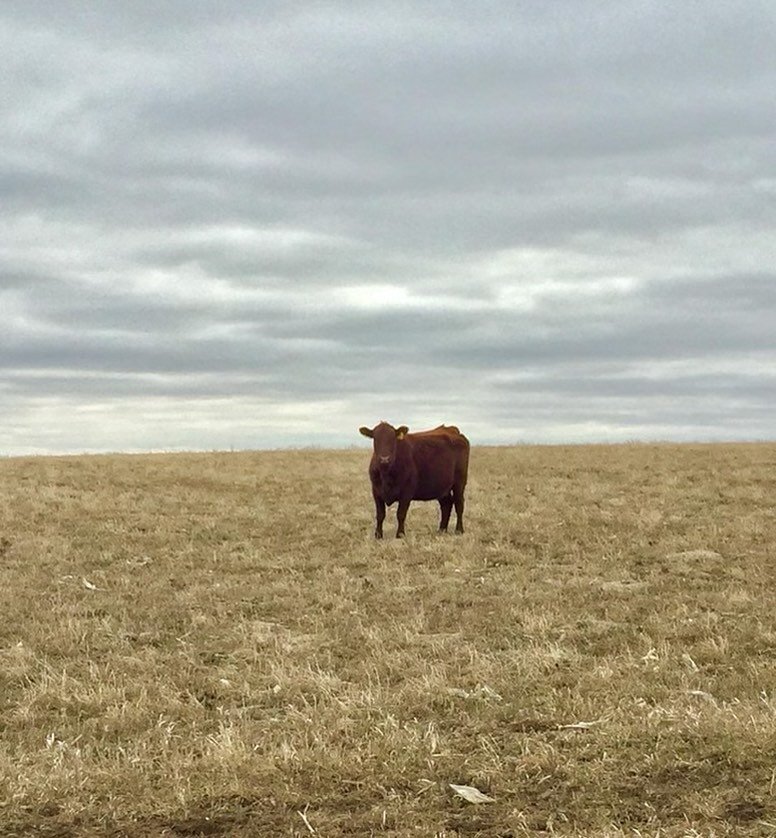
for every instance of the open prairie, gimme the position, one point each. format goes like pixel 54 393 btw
pixel 214 644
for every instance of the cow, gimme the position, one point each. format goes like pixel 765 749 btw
pixel 427 465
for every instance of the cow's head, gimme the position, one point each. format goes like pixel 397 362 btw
pixel 385 437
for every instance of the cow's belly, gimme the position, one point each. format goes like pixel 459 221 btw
pixel 433 488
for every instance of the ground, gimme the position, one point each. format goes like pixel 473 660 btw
pixel 214 644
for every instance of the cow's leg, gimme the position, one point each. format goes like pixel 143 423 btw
pixel 379 515
pixel 446 507
pixel 401 515
pixel 458 501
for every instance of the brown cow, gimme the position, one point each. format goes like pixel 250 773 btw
pixel 428 465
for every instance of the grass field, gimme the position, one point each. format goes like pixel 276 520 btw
pixel 214 644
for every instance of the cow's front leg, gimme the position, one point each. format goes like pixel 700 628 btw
pixel 401 515
pixel 379 516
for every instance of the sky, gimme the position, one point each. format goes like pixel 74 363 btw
pixel 256 225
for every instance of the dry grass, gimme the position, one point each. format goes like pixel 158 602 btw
pixel 214 644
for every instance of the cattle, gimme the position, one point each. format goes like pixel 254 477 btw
pixel 427 465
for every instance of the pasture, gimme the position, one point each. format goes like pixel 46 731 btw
pixel 214 644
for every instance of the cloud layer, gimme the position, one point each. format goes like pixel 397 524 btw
pixel 235 227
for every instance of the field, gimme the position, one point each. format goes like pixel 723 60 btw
pixel 214 644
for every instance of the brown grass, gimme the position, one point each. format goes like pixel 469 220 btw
pixel 214 644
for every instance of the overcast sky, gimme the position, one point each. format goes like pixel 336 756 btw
pixel 250 225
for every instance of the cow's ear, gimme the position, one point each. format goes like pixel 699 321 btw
pixel 366 432
pixel 402 432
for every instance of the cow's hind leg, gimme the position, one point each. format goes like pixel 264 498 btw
pixel 446 507
pixel 458 501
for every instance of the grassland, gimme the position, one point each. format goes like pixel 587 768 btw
pixel 214 644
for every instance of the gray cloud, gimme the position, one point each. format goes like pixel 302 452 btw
pixel 224 224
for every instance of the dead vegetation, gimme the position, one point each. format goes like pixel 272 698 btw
pixel 214 644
